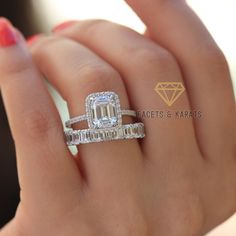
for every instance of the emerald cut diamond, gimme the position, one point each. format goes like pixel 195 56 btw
pixel 103 110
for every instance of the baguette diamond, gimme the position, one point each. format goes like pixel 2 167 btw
pixel 129 131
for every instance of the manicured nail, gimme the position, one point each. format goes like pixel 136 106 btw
pixel 32 39
pixel 8 35
pixel 63 26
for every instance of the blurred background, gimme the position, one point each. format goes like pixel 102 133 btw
pixel 35 16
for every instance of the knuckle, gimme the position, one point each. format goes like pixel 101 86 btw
pixel 92 27
pixel 44 41
pixel 40 49
pixel 18 67
pixel 153 57
pixel 216 58
pixel 98 77
pixel 15 70
pixel 38 124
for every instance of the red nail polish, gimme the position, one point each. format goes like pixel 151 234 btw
pixel 32 39
pixel 8 35
pixel 63 26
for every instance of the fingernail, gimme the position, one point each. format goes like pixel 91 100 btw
pixel 32 39
pixel 63 26
pixel 8 35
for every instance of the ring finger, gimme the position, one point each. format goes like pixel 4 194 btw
pixel 76 72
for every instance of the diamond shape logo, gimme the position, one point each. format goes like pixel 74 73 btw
pixel 170 91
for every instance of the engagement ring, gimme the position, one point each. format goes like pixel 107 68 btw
pixel 104 117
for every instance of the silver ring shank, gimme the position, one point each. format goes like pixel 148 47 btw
pixel 78 119
pixel 127 131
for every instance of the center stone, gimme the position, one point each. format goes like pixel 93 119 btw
pixel 104 111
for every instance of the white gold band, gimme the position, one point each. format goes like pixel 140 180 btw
pixel 104 118
pixel 127 131
pixel 78 119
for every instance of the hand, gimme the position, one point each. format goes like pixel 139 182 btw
pixel 180 180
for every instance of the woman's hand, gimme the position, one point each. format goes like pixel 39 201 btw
pixel 180 180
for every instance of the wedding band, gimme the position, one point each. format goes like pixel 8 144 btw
pixel 104 118
pixel 129 131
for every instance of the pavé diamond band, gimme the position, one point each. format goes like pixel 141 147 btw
pixel 104 117
pixel 78 119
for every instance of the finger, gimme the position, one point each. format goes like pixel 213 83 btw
pixel 76 72
pixel 150 64
pixel 173 25
pixel 46 169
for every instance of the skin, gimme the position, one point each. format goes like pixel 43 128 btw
pixel 178 181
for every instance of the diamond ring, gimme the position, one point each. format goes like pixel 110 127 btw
pixel 104 117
